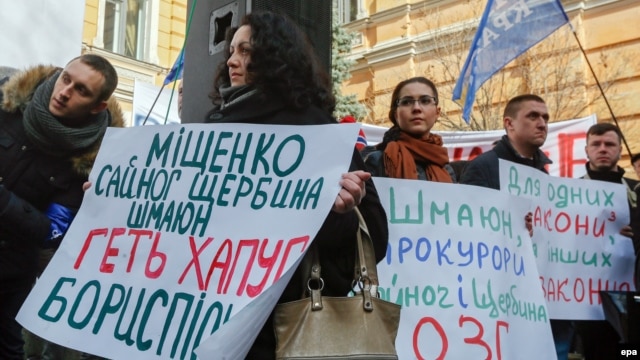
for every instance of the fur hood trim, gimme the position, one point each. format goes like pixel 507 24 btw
pixel 18 90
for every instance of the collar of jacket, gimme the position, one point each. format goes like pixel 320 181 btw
pixel 609 176
pixel 251 109
pixel 616 177
pixel 268 110
pixel 505 150
pixel 17 91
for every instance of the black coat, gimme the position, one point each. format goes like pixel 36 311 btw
pixel 336 239
pixel 484 170
pixel 30 181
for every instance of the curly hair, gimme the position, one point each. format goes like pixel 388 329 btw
pixel 394 131
pixel 283 63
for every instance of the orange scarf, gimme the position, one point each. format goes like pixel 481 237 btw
pixel 400 158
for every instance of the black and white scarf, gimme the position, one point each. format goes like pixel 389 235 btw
pixel 235 94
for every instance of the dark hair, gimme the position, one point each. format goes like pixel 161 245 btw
pixel 104 67
pixel 396 94
pixel 635 158
pixel 394 131
pixel 513 106
pixel 283 63
pixel 601 128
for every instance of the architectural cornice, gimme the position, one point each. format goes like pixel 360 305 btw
pixel 573 5
pixel 401 47
pixel 390 51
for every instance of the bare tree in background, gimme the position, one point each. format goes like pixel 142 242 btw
pixel 554 69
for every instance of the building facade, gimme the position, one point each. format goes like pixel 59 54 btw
pixel 398 39
pixel 141 38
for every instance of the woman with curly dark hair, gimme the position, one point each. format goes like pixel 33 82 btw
pixel 408 149
pixel 272 76
pixel 283 65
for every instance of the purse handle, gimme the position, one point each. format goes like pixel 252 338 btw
pixel 365 274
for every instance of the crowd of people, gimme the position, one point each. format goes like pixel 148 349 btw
pixel 52 121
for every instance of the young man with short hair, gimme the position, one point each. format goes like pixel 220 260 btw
pixel 52 121
pixel 604 150
pixel 525 120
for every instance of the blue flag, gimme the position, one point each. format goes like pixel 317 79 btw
pixel 507 29
pixel 176 71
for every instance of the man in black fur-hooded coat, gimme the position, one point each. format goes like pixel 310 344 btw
pixel 52 121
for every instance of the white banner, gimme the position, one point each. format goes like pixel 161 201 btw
pixel 144 96
pixel 564 145
pixel 182 233
pixel 464 272
pixel 576 237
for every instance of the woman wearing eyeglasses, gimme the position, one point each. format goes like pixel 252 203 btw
pixel 408 149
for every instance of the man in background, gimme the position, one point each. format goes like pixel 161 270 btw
pixel 604 149
pixel 525 121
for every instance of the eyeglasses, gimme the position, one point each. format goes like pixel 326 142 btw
pixel 424 101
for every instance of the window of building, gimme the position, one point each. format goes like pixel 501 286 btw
pixel 348 10
pixel 125 27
